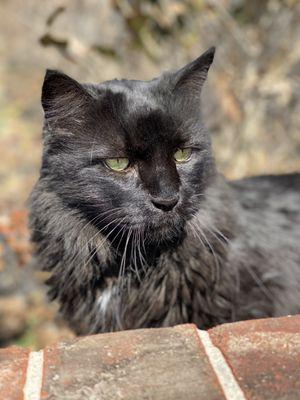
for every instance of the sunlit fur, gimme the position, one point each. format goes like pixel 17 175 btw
pixel 226 251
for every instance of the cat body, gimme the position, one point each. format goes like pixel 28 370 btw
pixel 166 239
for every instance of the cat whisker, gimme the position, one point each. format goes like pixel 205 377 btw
pixel 123 230
pixel 120 277
pixel 215 235
pixel 85 246
pixel 135 256
pixel 202 234
pixel 131 252
pixel 95 219
pixel 84 227
pixel 123 260
pixel 221 234
pixel 92 148
pixel 252 273
pixel 102 241
pixel 260 283
pixel 142 259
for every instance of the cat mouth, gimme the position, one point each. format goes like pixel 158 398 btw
pixel 166 225
pixel 158 223
pixel 155 226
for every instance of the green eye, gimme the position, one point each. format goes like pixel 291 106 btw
pixel 117 164
pixel 182 155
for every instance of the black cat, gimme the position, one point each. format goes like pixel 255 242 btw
pixel 136 226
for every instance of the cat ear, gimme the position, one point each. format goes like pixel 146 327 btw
pixel 62 96
pixel 192 77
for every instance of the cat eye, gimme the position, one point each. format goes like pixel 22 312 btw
pixel 117 164
pixel 182 155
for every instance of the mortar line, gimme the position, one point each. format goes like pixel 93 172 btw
pixel 34 376
pixel 227 380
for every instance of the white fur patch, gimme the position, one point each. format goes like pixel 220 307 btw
pixel 104 299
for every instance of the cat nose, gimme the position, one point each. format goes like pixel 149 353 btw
pixel 165 204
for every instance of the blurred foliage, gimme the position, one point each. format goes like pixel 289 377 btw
pixel 29 337
pixel 251 106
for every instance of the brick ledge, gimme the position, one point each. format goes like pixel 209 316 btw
pixel 247 360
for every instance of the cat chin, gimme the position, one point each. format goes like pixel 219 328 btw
pixel 166 232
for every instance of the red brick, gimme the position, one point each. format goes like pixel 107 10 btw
pixel 264 356
pixel 168 363
pixel 13 367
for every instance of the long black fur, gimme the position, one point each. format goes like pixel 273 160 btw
pixel 227 251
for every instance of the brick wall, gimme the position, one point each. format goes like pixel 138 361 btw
pixel 247 360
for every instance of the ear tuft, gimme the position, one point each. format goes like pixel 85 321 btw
pixel 62 96
pixel 192 76
pixel 208 56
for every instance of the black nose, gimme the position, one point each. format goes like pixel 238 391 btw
pixel 165 204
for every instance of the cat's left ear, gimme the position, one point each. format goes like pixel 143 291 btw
pixel 191 78
pixel 63 98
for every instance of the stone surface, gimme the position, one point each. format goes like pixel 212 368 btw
pixel 167 363
pixel 250 360
pixel 264 356
pixel 13 366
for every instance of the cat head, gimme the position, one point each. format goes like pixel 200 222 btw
pixel 129 154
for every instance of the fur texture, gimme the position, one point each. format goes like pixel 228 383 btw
pixel 120 258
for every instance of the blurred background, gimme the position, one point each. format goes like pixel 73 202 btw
pixel 251 103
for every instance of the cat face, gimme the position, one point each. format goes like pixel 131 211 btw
pixel 130 154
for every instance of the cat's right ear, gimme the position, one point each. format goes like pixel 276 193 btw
pixel 189 80
pixel 62 97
